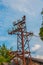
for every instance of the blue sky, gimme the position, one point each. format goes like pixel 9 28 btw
pixel 12 10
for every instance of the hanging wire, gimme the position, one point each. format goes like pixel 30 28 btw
pixel 37 36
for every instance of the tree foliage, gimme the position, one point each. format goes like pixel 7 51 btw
pixel 41 33
pixel 4 54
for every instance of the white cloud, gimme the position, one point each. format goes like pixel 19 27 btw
pixel 20 5
pixel 30 7
pixel 14 43
pixel 36 47
pixel 2 38
pixel 5 38
pixel 39 56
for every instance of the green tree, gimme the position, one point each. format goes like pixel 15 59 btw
pixel 41 29
pixel 41 33
pixel 4 54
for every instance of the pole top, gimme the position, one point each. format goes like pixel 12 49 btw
pixel 24 17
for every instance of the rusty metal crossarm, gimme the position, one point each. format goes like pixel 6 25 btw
pixel 14 31
pixel 26 52
pixel 28 33
pixel 21 22
pixel 19 30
